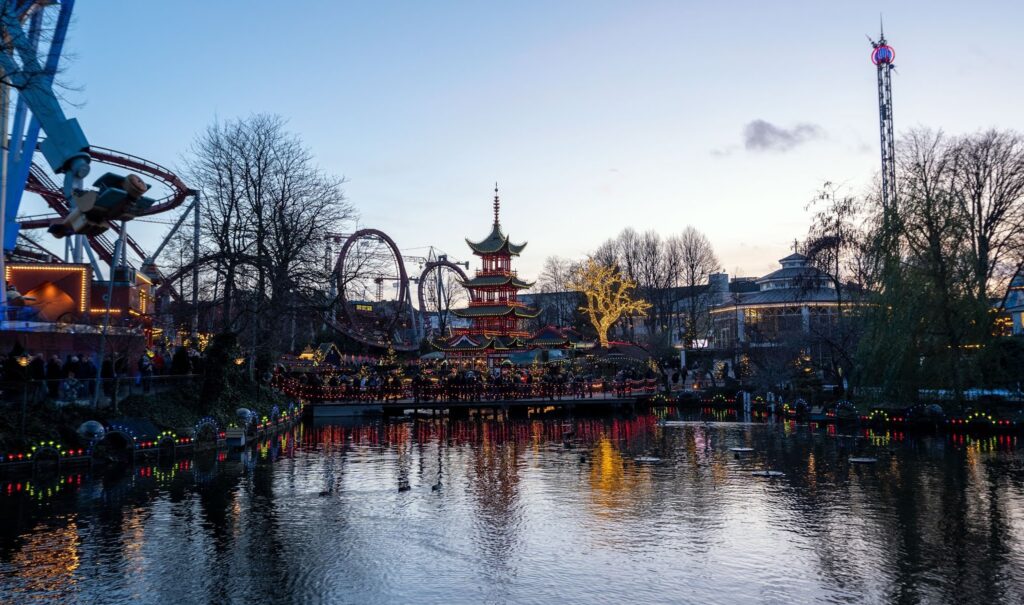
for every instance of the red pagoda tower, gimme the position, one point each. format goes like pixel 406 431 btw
pixel 494 309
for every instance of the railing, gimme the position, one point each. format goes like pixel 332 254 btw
pixel 499 272
pixel 485 302
pixel 20 313
pixel 478 392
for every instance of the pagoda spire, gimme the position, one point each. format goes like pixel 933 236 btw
pixel 497 205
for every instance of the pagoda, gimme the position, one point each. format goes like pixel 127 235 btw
pixel 495 313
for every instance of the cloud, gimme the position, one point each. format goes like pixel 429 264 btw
pixel 760 135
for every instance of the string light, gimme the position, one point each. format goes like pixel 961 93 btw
pixel 84 273
pixel 608 295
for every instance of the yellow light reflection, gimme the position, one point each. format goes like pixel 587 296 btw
pixel 48 559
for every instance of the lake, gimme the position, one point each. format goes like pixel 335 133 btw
pixel 553 511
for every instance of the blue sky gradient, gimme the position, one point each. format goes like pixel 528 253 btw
pixel 593 116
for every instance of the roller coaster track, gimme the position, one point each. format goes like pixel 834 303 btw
pixel 40 183
pixel 436 265
pixel 345 321
pixel 330 316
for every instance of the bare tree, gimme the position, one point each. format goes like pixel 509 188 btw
pixel 266 210
pixel 628 252
pixel 836 246
pixel 656 274
pixel 560 301
pixel 989 184
pixel 607 253
pixel 697 261
pixel 643 258
pixel 215 170
pixel 442 292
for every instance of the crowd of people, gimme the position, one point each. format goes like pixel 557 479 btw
pixel 425 384
pixel 77 376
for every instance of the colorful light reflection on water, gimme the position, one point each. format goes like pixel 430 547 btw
pixel 532 512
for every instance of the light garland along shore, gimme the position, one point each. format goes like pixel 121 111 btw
pixel 57 454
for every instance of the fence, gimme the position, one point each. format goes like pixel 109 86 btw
pixel 442 392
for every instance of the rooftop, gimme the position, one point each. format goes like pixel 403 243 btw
pixel 496 241
pixel 496 280
pixel 496 311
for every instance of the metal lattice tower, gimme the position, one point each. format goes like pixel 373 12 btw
pixel 883 56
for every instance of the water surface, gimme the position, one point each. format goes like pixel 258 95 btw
pixel 516 512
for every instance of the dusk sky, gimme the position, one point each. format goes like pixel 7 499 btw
pixel 592 116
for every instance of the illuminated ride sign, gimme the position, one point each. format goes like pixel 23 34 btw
pixel 53 290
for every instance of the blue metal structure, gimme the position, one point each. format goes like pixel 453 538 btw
pixel 65 148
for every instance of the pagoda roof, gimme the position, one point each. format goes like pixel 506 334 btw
pixel 496 242
pixel 496 280
pixel 464 342
pixel 508 342
pixel 496 311
pixel 325 348
pixel 551 336
pixel 479 342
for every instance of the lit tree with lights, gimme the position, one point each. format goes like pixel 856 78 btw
pixel 609 296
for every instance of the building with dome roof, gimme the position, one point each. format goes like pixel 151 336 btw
pixel 1014 304
pixel 795 302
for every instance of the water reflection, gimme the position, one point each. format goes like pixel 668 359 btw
pixel 533 511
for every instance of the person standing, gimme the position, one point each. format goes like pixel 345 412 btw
pixel 107 374
pixel 87 370
pixel 54 373
pixel 37 374
pixel 158 363
pixel 145 372
pixel 70 366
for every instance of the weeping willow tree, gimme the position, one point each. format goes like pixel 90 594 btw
pixel 935 255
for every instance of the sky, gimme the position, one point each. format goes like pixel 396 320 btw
pixel 592 116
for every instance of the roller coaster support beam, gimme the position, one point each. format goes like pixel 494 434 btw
pixel 66 149
pixel 24 136
pixel 92 257
pixel 106 317
pixel 195 266
pixel 149 263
